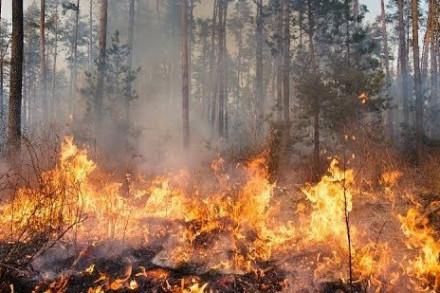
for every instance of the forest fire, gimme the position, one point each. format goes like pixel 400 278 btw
pixel 183 233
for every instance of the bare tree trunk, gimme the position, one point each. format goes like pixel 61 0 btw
pixel 213 79
pixel 16 78
pixel 43 71
pixel 417 78
pixel 403 64
pixel 2 113
pixel 90 46
pixel 185 73
pixel 286 61
pixel 73 73
pixel 316 98
pixel 279 61
pixel 54 65
pixel 260 93
pixel 434 51
pixel 387 68
pixel 101 66
pixel 221 68
pixel 130 62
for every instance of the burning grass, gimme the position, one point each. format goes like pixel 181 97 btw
pixel 227 230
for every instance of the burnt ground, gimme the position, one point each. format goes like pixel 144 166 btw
pixel 115 268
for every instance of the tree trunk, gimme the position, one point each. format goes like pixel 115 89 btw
pixel 43 71
pixel 434 51
pixel 54 65
pixel 16 78
pixel 260 93
pixel 316 100
pixel 403 64
pixel 279 61
pixel 213 80
pixel 90 46
pixel 2 113
pixel 387 68
pixel 101 66
pixel 286 61
pixel 73 72
pixel 417 78
pixel 130 62
pixel 221 67
pixel 185 73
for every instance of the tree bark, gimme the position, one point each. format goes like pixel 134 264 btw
pixel 260 93
pixel 434 55
pixel 286 61
pixel 387 69
pixel 101 66
pixel 73 72
pixel 16 78
pixel 417 78
pixel 185 73
pixel 403 63
pixel 90 47
pixel 43 71
pixel 54 65
pixel 130 62
pixel 221 68
pixel 213 80
pixel 316 98
pixel 279 61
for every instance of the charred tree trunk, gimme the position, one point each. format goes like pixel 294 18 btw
pixel 185 73
pixel 260 92
pixel 98 116
pixel 387 68
pixel 403 64
pixel 43 71
pixel 16 78
pixel 417 78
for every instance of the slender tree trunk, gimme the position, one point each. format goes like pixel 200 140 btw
pixel 316 98
pixel 101 66
pixel 2 113
pixel 54 65
pixel 387 68
pixel 417 78
pixel 90 47
pixel 185 73
pixel 43 71
pixel 434 55
pixel 221 68
pixel 403 63
pixel 356 12
pixel 73 73
pixel 130 62
pixel 279 61
pixel 260 92
pixel 225 85
pixel 16 78
pixel 286 61
pixel 214 73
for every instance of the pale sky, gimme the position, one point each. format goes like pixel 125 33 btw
pixel 373 7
